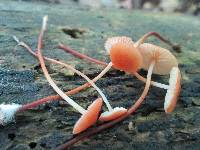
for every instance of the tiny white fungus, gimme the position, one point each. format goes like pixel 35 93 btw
pixel 7 112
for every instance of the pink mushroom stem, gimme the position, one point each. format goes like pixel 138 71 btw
pixel 157 35
pixel 82 56
pixel 146 89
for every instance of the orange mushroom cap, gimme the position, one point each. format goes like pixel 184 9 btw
pixel 165 60
pixel 124 56
pixel 112 115
pixel 173 91
pixel 89 118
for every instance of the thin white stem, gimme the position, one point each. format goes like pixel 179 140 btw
pixel 100 92
pixel 97 88
pixel 136 45
pixel 44 23
pixel 150 70
pixel 89 80
pixel 157 84
pixel 64 96
pixel 51 82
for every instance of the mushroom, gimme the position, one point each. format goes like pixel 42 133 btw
pixel 173 91
pixel 165 63
pixel 122 57
pixel 130 111
pixel 89 116
pixel 175 73
pixel 113 122
pixel 165 59
pixel 123 54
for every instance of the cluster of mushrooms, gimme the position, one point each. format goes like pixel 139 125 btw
pixel 125 55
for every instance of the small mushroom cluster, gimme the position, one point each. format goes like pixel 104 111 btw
pixel 129 56
pixel 125 55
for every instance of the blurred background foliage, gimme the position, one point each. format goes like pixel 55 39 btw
pixel 183 6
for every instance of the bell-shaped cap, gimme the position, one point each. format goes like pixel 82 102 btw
pixel 124 56
pixel 173 91
pixel 112 115
pixel 89 117
pixel 114 40
pixel 164 59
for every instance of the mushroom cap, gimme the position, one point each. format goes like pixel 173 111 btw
pixel 112 115
pixel 89 117
pixel 173 91
pixel 165 60
pixel 124 56
pixel 113 40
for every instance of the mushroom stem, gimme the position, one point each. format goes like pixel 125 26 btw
pixel 146 89
pixel 45 71
pixel 100 92
pixel 82 56
pixel 157 35
pixel 112 123
pixel 157 84
pixel 91 82
pixel 79 55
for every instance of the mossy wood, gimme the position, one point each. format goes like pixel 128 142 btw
pixel 86 30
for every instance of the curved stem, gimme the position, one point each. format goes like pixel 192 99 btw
pixel 157 35
pixel 45 71
pixel 103 96
pixel 94 85
pixel 146 89
pixel 114 122
pixel 157 84
pixel 82 56
pixel 79 55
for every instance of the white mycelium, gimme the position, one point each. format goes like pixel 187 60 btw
pixel 113 111
pixel 7 112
